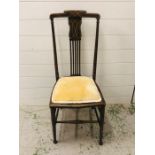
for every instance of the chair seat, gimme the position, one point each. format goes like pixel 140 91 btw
pixel 75 89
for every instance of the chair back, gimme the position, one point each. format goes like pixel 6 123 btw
pixel 75 21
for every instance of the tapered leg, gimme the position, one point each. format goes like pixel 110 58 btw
pixel 102 111
pixel 91 118
pixel 53 119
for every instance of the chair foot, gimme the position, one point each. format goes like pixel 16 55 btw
pixel 55 141
pixel 100 142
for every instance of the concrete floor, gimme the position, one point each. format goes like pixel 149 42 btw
pixel 36 132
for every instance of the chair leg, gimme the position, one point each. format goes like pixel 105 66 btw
pixel 90 117
pixel 53 119
pixel 102 111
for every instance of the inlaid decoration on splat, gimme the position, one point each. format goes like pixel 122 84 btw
pixel 75 28
pixel 75 24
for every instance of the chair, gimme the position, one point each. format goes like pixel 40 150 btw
pixel 76 91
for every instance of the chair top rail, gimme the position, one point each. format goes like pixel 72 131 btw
pixel 74 13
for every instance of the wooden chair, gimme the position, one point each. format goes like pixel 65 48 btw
pixel 76 91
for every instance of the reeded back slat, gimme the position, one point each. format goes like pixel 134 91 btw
pixel 74 57
pixel 75 21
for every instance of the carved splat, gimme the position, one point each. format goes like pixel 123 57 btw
pixel 75 28
pixel 75 21
pixel 75 24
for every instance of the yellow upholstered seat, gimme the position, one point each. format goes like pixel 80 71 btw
pixel 75 89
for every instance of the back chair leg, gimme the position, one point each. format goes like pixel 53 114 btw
pixel 102 111
pixel 53 119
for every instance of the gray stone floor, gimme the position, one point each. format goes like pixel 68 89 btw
pixel 36 132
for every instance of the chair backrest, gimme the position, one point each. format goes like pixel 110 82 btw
pixel 75 21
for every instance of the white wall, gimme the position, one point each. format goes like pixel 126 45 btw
pixel 115 73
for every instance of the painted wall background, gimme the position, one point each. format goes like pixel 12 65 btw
pixel 115 72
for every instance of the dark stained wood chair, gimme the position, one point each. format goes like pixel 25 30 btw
pixel 76 91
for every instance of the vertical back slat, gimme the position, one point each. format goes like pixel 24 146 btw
pixel 76 62
pixel 79 57
pixel 74 57
pixel 71 58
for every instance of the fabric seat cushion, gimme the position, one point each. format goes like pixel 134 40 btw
pixel 75 89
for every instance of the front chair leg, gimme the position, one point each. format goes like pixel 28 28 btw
pixel 53 119
pixel 102 111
